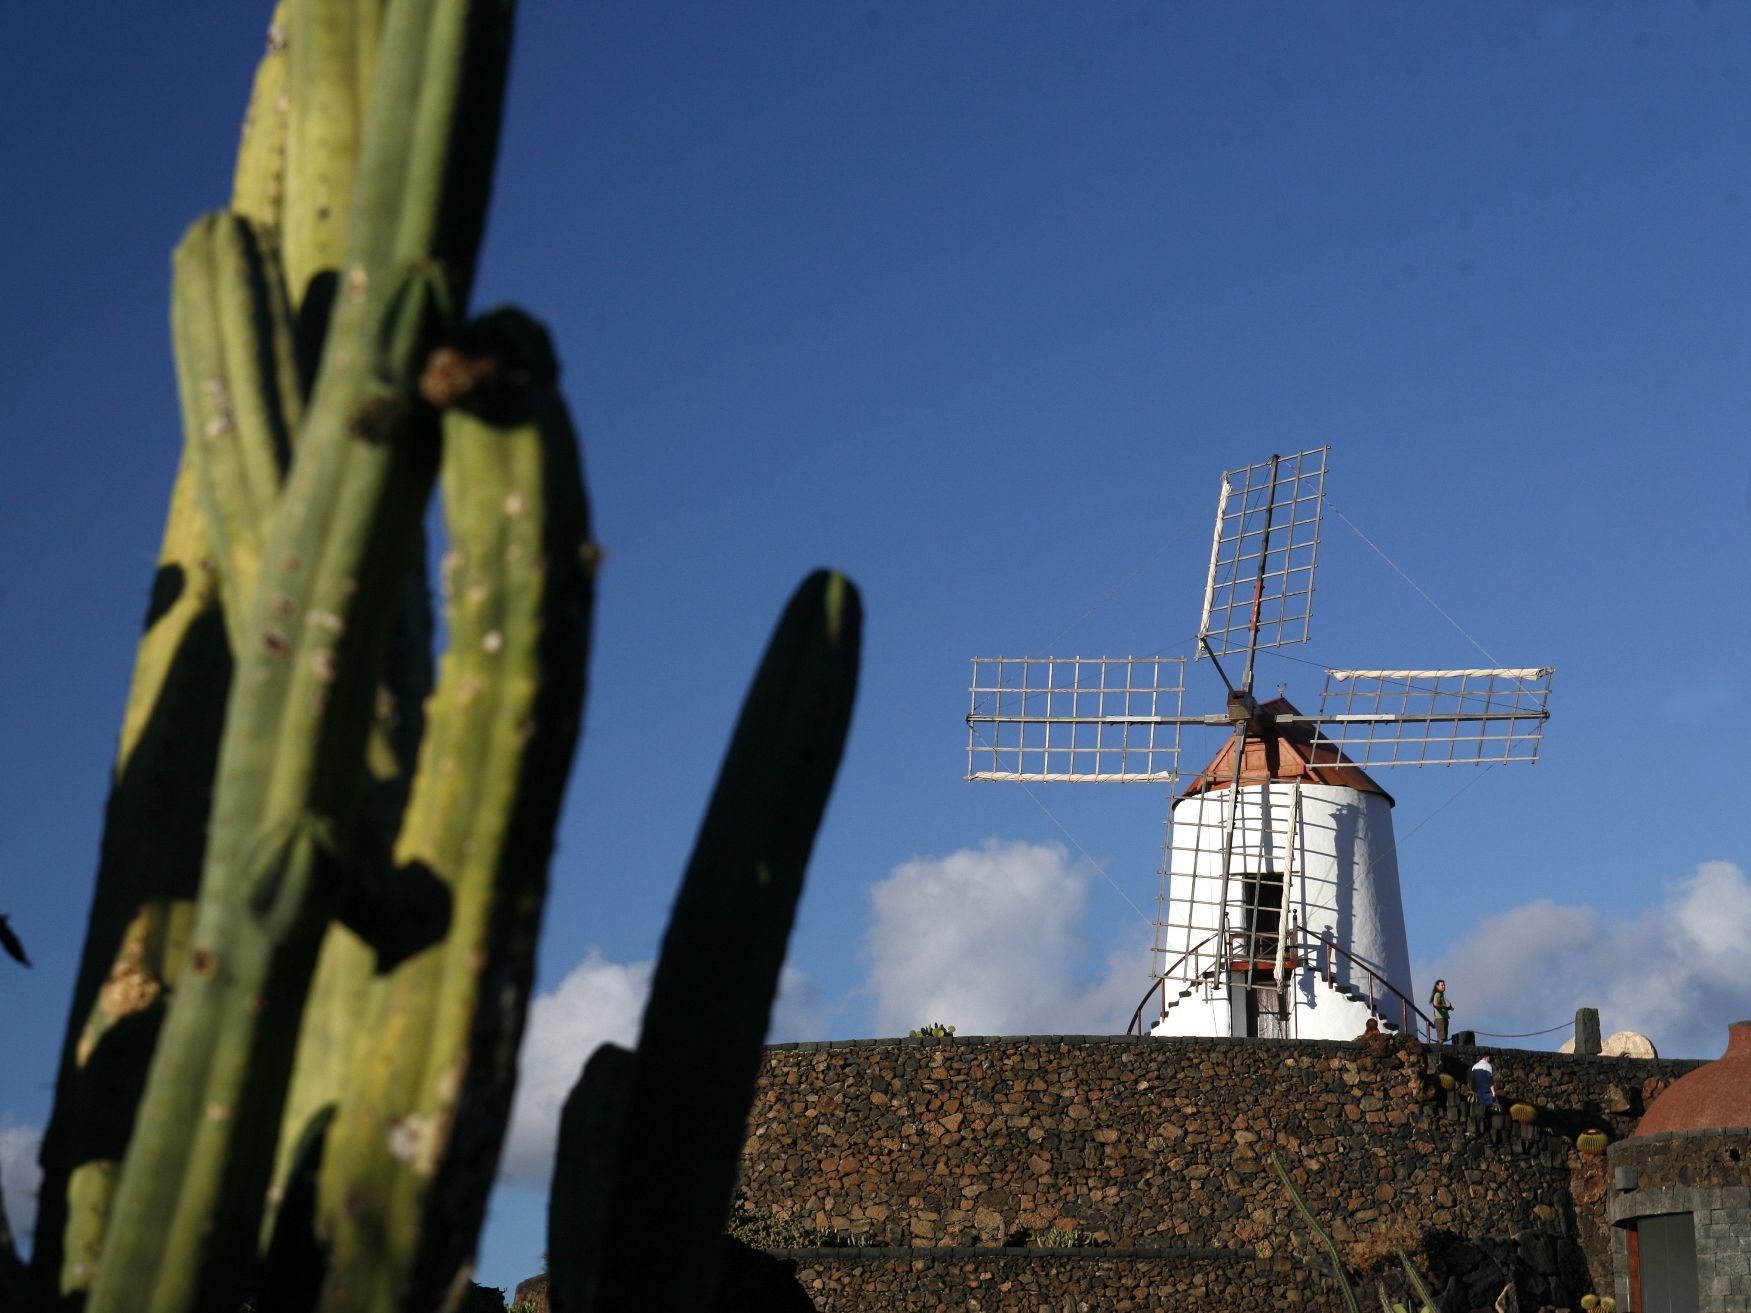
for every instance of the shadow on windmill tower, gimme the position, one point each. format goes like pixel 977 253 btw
pixel 1280 914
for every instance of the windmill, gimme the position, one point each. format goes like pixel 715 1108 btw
pixel 1279 913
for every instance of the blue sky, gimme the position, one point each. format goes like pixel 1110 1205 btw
pixel 975 301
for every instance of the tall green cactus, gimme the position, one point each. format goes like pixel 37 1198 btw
pixel 156 823
pixel 189 1203
pixel 289 1062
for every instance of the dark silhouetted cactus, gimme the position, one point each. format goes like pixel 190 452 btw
pixel 658 1133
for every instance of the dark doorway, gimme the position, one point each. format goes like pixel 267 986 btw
pixel 1262 910
pixel 1662 1264
pixel 1267 1012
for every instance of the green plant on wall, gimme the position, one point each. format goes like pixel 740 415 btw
pixel 288 1062
pixel 1425 1302
pixel 759 1229
pixel 935 1030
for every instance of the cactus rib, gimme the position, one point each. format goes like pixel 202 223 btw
pixel 238 382
pixel 327 77
pixel 154 836
pixel 259 181
pixel 1425 1301
pixel 411 1150
pixel 347 964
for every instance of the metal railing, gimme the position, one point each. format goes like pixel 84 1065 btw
pixel 1378 988
pixel 1193 955
pixel 1299 952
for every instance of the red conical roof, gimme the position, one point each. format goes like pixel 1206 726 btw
pixel 1280 754
pixel 1715 1095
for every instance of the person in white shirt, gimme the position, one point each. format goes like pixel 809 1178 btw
pixel 1483 1081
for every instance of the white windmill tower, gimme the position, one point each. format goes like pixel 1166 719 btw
pixel 1280 912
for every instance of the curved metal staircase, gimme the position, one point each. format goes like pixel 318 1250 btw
pixel 1203 965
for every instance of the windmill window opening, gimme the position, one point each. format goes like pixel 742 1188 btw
pixel 1261 926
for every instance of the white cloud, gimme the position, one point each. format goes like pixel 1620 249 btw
pixel 989 939
pixel 1676 971
pixel 801 1009
pixel 20 1176
pixel 597 1002
pixel 601 1002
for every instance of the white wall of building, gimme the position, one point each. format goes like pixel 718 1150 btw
pixel 1343 887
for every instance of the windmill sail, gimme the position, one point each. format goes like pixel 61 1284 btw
pixel 1436 717
pixel 1075 719
pixel 1259 592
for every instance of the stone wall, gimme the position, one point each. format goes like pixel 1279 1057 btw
pixel 1161 1144
pixel 1117 1281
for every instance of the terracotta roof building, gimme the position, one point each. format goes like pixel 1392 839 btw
pixel 1680 1202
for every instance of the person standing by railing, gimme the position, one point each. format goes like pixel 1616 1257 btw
pixel 1442 1008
